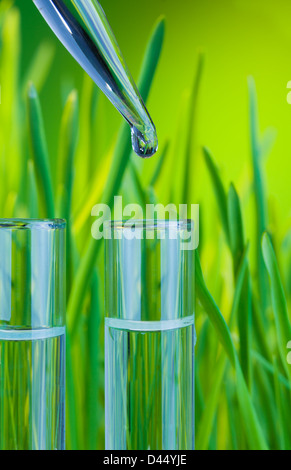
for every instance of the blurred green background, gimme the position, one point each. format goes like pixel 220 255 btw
pixel 202 94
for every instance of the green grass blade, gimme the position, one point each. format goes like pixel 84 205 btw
pixel 235 226
pixel 40 66
pixel 213 312
pixel 254 432
pixel 260 330
pixel 239 285
pixel 186 197
pixel 267 141
pixel 119 164
pixel 32 192
pixel 283 327
pixel 10 117
pixel 94 374
pixel 67 147
pixel 284 435
pixel 260 197
pixel 236 232
pixel 139 190
pixel 266 405
pixel 82 211
pixel 219 191
pixel 208 416
pixel 252 426
pixel 4 7
pixel 71 415
pixel 199 399
pixel 233 417
pixel 40 153
pixel 158 170
pixel 151 58
pixel 207 420
pixel 84 149
pixel 271 369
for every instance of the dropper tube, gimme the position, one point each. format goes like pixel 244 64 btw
pixel 82 27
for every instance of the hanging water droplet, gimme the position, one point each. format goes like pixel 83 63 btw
pixel 144 144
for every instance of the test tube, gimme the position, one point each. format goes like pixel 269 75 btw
pixel 149 335
pixel 32 334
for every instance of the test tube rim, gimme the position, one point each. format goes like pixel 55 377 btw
pixel 32 224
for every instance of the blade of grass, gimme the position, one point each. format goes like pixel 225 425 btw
pixel 267 141
pixel 151 58
pixel 235 226
pixel 10 115
pixel 254 434
pixel 94 375
pixel 239 286
pixel 39 68
pixel 160 165
pixel 260 330
pixel 206 356
pixel 253 429
pixel 32 192
pixel 208 416
pixel 83 152
pixel 71 415
pixel 283 327
pixel 67 147
pixel 236 232
pixel 140 191
pixel 270 368
pixel 199 400
pixel 213 312
pixel 233 418
pixel 119 164
pixel 219 192
pixel 186 197
pixel 83 211
pixel 260 197
pixel 266 406
pixel 284 434
pixel 5 6
pixel 40 153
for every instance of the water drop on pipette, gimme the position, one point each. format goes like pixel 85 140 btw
pixel 144 145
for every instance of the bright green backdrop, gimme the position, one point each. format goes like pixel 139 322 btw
pixel 242 402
